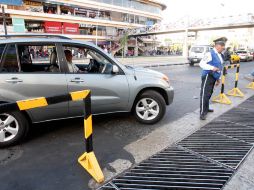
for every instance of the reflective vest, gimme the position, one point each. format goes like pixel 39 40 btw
pixel 216 63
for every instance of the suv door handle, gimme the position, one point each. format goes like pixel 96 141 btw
pixel 77 80
pixel 14 80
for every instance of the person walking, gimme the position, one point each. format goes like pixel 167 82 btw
pixel 212 65
pixel 227 57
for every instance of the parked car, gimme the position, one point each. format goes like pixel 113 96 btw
pixel 235 58
pixel 72 66
pixel 245 55
pixel 197 52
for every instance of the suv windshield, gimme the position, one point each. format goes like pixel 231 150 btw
pixel 197 49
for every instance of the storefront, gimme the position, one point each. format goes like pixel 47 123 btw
pixel 61 28
pixel 85 29
pixel 70 28
pixel 34 26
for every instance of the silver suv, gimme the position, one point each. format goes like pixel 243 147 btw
pixel 43 66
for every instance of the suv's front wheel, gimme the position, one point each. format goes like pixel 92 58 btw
pixel 13 128
pixel 150 107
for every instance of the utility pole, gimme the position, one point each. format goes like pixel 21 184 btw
pixel 4 21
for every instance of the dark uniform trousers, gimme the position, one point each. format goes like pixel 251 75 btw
pixel 207 85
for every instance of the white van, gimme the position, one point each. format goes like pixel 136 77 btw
pixel 197 52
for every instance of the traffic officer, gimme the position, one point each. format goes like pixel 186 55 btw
pixel 212 69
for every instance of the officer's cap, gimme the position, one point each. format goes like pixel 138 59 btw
pixel 221 41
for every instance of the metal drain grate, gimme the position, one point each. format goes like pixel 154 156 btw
pixel 251 98
pixel 233 130
pixel 173 168
pixel 240 115
pixel 218 147
pixel 109 186
pixel 204 160
pixel 247 104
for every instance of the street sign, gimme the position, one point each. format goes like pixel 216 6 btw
pixel 12 2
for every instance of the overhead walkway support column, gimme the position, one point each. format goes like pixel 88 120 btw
pixel 185 44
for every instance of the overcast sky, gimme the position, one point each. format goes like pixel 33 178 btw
pixel 204 8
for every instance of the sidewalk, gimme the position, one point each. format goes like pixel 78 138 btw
pixel 154 61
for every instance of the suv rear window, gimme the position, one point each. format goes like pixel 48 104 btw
pixel 9 60
pixel 38 58
pixel 197 49
pixel 241 52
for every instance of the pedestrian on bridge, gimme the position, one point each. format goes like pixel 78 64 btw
pixel 212 65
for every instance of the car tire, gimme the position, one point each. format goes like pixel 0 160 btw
pixel 153 114
pixel 191 64
pixel 15 130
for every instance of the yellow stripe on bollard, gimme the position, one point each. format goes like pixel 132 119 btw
pixel 223 79
pixel 79 95
pixel 88 126
pixel 32 103
pixel 237 76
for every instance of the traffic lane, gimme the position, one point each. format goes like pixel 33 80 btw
pixel 48 159
pixel 49 156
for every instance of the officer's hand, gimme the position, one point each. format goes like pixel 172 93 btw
pixel 215 69
pixel 217 83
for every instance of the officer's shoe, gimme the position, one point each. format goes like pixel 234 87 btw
pixel 203 117
pixel 210 110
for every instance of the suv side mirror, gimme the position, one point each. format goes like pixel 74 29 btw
pixel 115 69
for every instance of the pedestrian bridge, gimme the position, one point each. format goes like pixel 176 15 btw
pixel 185 25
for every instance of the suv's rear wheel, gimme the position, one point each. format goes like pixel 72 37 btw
pixel 150 107
pixel 13 128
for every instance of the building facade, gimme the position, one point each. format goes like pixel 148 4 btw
pixel 101 21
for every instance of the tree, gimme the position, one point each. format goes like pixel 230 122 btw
pixel 124 42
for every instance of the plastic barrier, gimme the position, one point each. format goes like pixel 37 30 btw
pixel 235 91
pixel 87 160
pixel 222 97
pixel 250 85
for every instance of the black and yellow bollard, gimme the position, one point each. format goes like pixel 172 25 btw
pixel 88 159
pixel 251 85
pixel 235 91
pixel 222 98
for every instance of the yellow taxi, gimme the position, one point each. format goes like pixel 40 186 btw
pixel 235 58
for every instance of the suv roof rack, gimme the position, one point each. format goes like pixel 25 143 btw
pixel 34 35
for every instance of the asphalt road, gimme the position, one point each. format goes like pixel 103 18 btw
pixel 48 159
